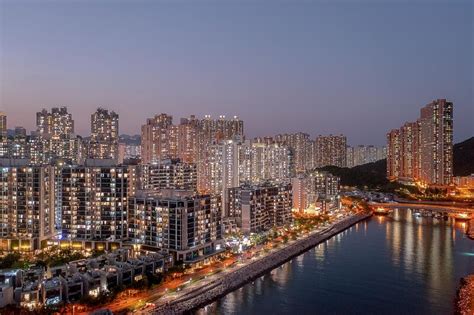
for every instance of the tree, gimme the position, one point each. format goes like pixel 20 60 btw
pixel 9 260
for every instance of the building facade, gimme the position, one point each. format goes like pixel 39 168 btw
pixel 257 208
pixel 316 189
pixel 299 144
pixel 103 143
pixel 422 151
pixel 182 223
pixel 3 124
pixel 331 150
pixel 94 201
pixel 363 154
pixel 54 138
pixel 26 205
pixel 168 174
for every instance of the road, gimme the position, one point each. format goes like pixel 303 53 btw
pixel 179 287
pixel 418 205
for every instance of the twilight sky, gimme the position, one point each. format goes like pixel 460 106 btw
pixel 353 67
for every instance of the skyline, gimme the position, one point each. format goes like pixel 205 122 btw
pixel 307 75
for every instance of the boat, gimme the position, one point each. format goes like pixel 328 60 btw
pixel 382 211
pixel 462 217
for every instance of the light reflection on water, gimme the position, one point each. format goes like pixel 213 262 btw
pixel 386 265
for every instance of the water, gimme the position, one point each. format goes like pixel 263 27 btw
pixel 397 264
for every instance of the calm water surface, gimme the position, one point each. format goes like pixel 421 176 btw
pixel 397 264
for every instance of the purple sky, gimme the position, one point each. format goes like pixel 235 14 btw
pixel 353 67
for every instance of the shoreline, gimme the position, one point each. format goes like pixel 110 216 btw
pixel 470 229
pixel 465 296
pixel 208 293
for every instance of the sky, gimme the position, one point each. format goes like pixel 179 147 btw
pixel 354 67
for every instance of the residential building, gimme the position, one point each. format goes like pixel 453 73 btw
pixel 422 151
pixel 331 150
pixel 3 125
pixel 168 174
pixel 363 154
pixel 54 138
pixel 270 162
pixel 103 142
pixel 26 205
pixel 257 208
pixel 179 222
pixel 94 200
pixel 162 140
pixel 436 143
pixel 300 145
pixel 316 189
pixel 394 154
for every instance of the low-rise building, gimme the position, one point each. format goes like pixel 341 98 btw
pixel 52 291
pixel 86 277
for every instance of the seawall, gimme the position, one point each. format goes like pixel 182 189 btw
pixel 227 283
pixel 465 296
pixel 470 229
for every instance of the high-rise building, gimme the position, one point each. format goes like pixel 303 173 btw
pixel 162 140
pixel 168 174
pixel 188 140
pixel 300 145
pixel 231 163
pixel 323 185
pixel 3 124
pixel 104 135
pixel 18 145
pixel 350 156
pixel 26 206
pixel 4 150
pixel 422 151
pixel 300 193
pixel 94 201
pixel 54 137
pixel 331 150
pixel 221 129
pixel 257 208
pixel 185 224
pixel 363 154
pixel 270 162
pixel 157 139
pixel 222 168
pixel 128 151
pixel 56 124
pixel 393 154
pixel 410 146
pixel 436 143
pixel 381 153
pixel 316 189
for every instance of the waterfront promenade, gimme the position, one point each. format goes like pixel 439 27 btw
pixel 206 291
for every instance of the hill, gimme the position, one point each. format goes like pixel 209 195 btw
pixel 463 158
pixel 370 174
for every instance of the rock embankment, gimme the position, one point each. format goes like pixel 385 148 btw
pixel 465 298
pixel 470 229
pixel 235 279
